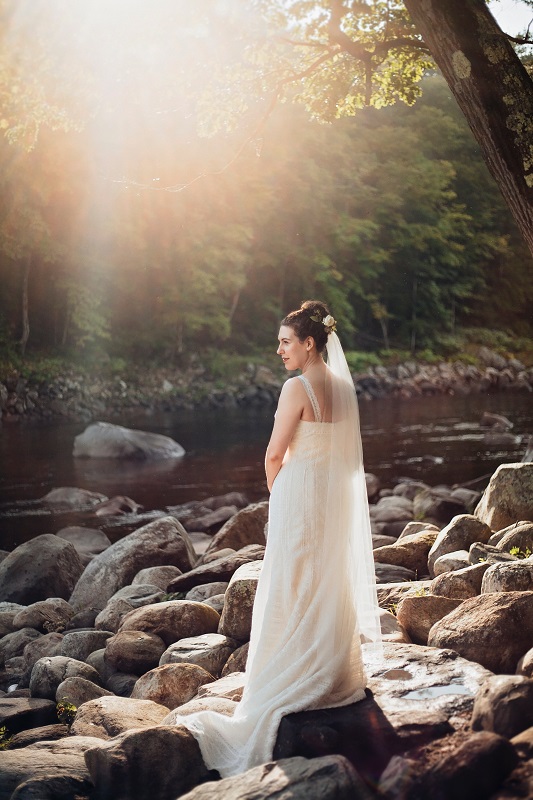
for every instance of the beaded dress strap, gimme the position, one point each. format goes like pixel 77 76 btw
pixel 312 397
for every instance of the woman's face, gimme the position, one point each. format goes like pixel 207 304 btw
pixel 293 352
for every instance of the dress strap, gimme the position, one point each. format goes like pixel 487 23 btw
pixel 312 397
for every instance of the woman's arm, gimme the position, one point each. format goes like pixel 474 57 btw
pixel 288 414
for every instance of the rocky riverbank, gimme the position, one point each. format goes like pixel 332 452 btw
pixel 100 643
pixel 86 397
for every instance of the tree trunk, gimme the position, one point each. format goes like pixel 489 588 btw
pixel 25 307
pixel 493 90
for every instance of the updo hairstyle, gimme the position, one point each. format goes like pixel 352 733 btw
pixel 303 326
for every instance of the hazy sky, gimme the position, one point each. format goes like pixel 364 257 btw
pixel 512 15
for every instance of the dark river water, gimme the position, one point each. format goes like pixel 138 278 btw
pixel 436 439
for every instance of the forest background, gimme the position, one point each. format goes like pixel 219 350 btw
pixel 128 237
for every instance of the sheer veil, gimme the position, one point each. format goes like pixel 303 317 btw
pixel 346 507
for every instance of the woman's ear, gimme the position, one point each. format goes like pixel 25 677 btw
pixel 309 342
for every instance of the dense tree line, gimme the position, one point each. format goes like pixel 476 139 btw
pixel 390 216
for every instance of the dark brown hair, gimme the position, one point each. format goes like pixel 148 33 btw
pixel 303 326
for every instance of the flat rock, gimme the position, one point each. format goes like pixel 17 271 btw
pixel 173 620
pixel 296 778
pixel 390 594
pixel 162 542
pixel 159 762
pixel 390 573
pixel 106 717
pixel 221 569
pixel 229 687
pixel 44 733
pixel 105 440
pixel 52 765
pixel 494 630
pixel 20 713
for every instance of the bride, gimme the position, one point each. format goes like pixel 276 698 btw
pixel 316 597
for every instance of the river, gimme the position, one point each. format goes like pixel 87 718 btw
pixel 436 439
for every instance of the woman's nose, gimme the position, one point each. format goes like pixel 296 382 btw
pixel 279 350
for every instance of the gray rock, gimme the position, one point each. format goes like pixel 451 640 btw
pixel 79 690
pixel 104 440
pixel 417 527
pixel 55 770
pixel 157 576
pixel 106 717
pixel 13 644
pixel 159 763
pixel 172 620
pixel 49 672
pixel 461 583
pixel 71 497
pixel 451 562
pixel 219 570
pixel 121 683
pixel 210 651
pixel 519 535
pixel 45 615
pixel 110 618
pixel 247 527
pixel 389 573
pixel 171 685
pixel 134 652
pixel 417 615
pixel 47 645
pixel 212 520
pixel 330 776
pixel 476 769
pixel 206 590
pixel 236 619
pixel 390 594
pixel 508 497
pixel 504 705
pixel 216 602
pixel 19 713
pixel 80 644
pixel 161 542
pixel 437 505
pixel 45 733
pixel 88 542
pixel 479 622
pixel 46 566
pixel 509 577
pixel 459 534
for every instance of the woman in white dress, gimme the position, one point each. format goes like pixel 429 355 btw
pixel 316 596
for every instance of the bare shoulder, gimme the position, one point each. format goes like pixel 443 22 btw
pixel 292 388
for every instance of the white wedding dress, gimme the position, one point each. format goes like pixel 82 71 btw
pixel 305 645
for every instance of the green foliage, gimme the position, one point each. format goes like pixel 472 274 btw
pixel 5 738
pixel 516 551
pixel 66 712
pixel 360 361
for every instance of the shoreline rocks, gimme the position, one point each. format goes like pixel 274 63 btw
pixel 87 397
pixel 158 624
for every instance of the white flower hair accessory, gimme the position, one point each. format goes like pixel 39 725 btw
pixel 329 323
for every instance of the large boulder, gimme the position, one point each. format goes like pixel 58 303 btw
pixel 493 629
pixel 209 651
pixel 459 534
pixel 20 713
pixel 299 778
pixel 172 684
pixel 236 619
pixel 134 652
pixel 244 528
pixel 221 569
pixel 49 672
pixel 162 542
pixel 89 542
pixel 160 763
pixel 504 705
pixel 104 440
pixel 46 566
pixel 46 770
pixel 172 620
pixel 509 496
pixel 408 551
pixel 106 717
pixel 418 614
